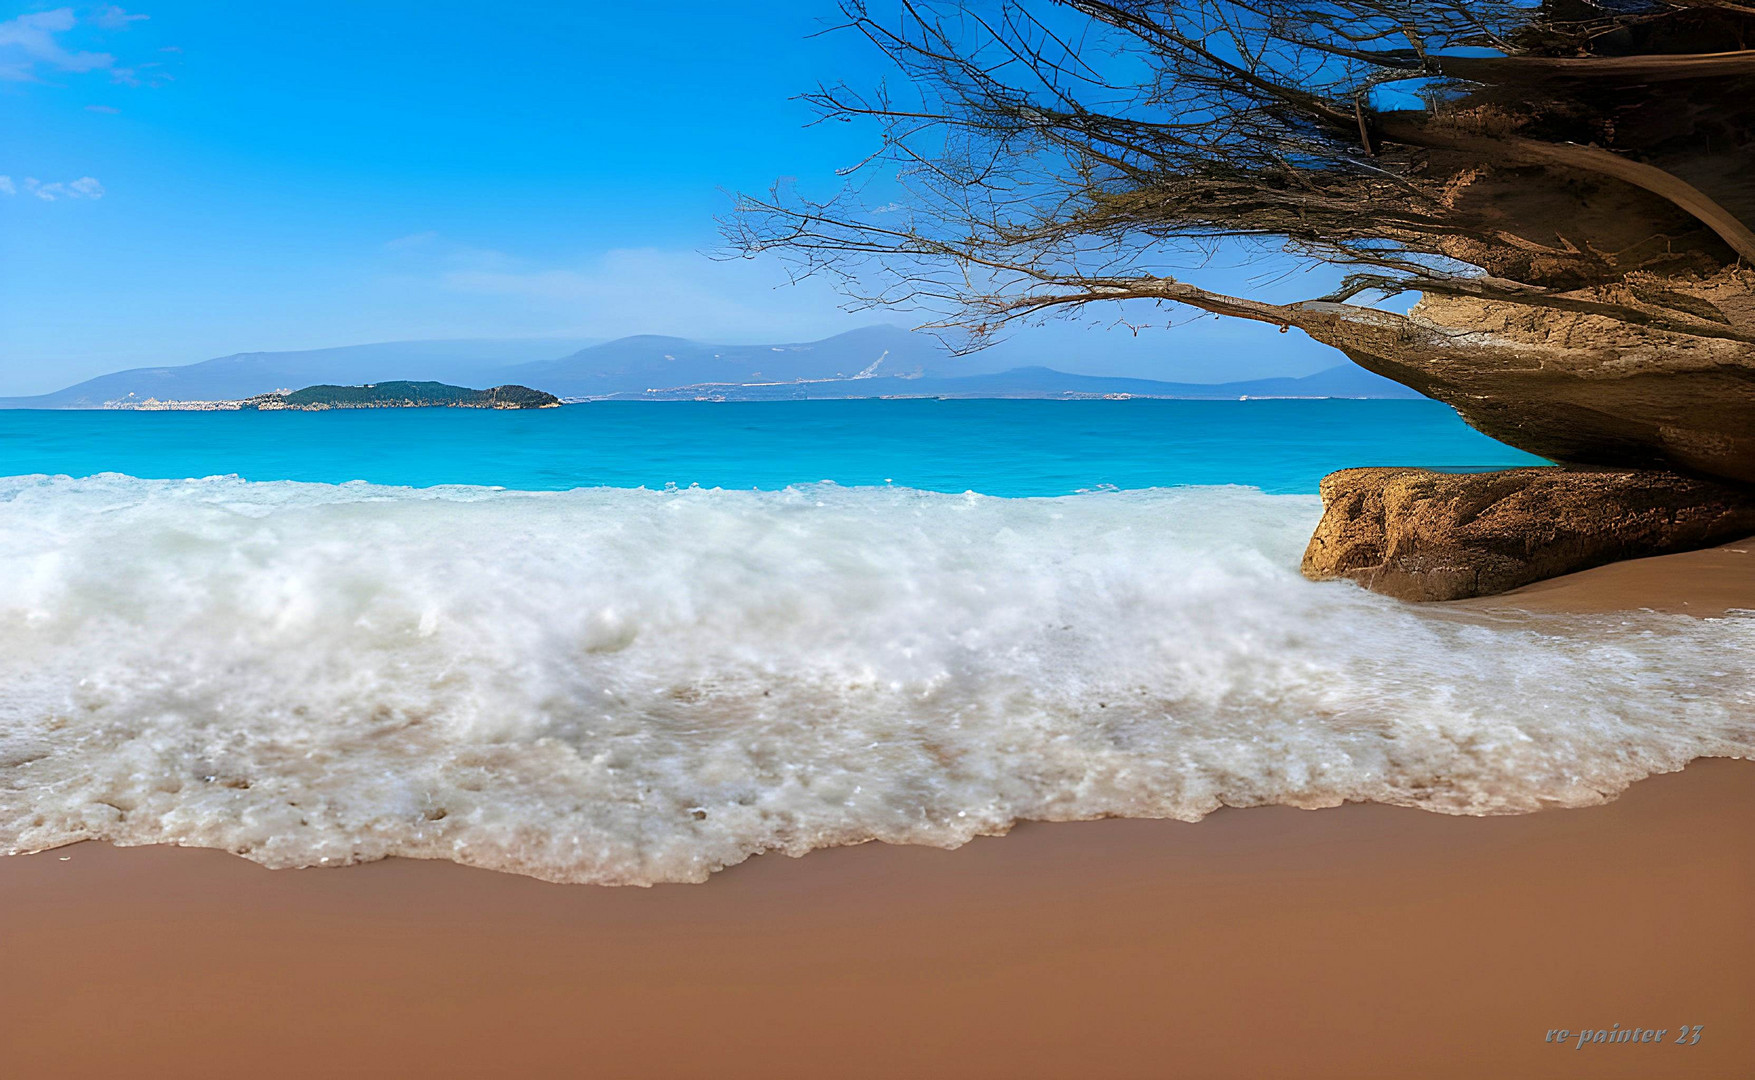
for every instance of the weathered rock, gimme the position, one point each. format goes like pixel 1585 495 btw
pixel 1574 387
pixel 1416 534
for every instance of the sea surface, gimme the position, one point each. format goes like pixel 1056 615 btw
pixel 631 643
pixel 1005 448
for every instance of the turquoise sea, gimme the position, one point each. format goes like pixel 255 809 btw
pixel 1009 448
pixel 635 643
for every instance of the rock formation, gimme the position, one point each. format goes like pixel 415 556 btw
pixel 1577 387
pixel 1423 535
pixel 1667 417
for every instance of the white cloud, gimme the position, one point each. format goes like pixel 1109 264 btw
pixel 111 17
pixel 30 39
pixel 86 187
pixel 459 291
pixel 649 290
pixel 412 240
pixel 109 109
pixel 6 186
pixel 141 74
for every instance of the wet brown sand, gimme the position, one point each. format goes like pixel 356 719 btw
pixel 1703 583
pixel 1365 941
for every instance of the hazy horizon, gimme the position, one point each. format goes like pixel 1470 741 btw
pixel 642 364
pixel 546 173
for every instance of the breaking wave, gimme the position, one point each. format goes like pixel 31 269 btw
pixel 635 686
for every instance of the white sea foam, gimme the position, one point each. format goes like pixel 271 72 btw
pixel 638 686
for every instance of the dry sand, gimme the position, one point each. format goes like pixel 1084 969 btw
pixel 1359 942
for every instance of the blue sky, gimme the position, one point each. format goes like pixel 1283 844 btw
pixel 192 179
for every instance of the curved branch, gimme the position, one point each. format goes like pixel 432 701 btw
pixel 1304 314
pixel 1657 68
pixel 1591 159
pixel 1510 293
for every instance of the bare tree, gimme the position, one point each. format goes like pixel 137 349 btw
pixel 1569 185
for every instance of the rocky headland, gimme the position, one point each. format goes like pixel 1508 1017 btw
pixel 1653 430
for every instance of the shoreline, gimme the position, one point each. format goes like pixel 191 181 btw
pixel 1706 583
pixel 1362 940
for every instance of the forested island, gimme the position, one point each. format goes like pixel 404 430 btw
pixel 403 395
pixel 384 395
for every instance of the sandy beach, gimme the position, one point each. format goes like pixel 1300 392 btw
pixel 1362 941
pixel 1702 583
pixel 942 540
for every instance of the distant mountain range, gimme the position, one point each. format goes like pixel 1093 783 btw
pixel 245 375
pixel 634 365
pixel 1344 381
pixel 878 361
